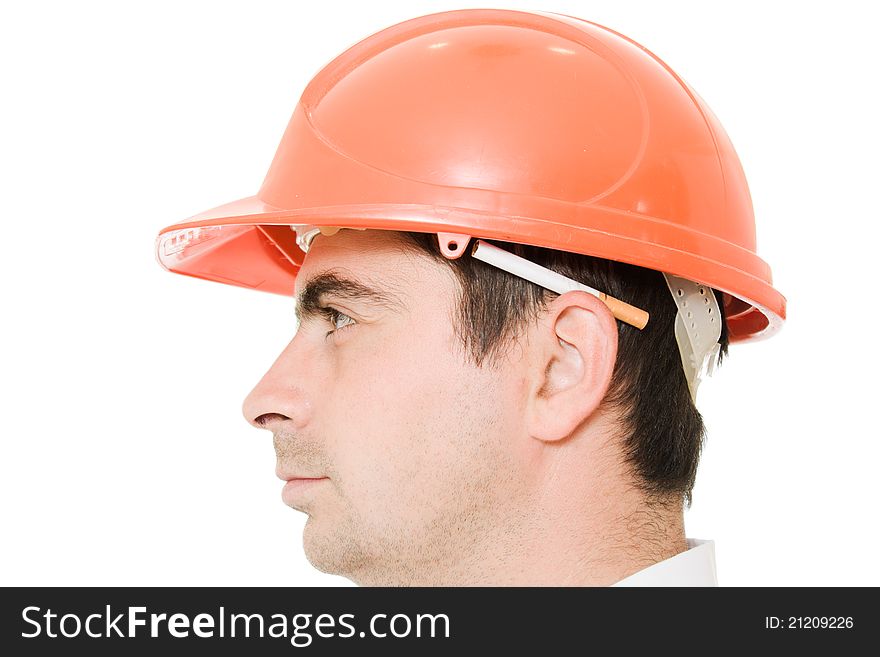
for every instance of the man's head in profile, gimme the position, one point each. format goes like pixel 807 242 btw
pixel 447 419
pixel 471 428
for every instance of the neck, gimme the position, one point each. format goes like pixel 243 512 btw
pixel 569 526
pixel 595 548
pixel 572 517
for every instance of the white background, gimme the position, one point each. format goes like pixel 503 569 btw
pixel 125 458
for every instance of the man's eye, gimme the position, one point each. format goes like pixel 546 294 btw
pixel 339 320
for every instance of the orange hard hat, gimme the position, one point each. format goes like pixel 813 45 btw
pixel 527 127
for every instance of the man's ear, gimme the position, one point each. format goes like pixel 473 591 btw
pixel 574 349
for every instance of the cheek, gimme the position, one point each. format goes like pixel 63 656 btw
pixel 391 375
pixel 410 420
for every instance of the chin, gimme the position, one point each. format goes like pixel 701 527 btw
pixel 331 550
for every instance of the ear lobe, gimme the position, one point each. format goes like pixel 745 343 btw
pixel 576 349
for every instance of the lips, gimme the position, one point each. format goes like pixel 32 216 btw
pixel 297 488
pixel 288 475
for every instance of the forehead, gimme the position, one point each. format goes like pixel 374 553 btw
pixel 372 256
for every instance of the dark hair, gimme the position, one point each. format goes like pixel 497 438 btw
pixel 648 389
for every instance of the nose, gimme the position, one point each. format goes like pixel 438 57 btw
pixel 280 394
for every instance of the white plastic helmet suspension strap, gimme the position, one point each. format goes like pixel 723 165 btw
pixel 697 323
pixel 306 233
pixel 697 328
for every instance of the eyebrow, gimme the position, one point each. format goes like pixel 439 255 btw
pixel 308 304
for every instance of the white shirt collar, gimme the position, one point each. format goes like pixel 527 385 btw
pixel 693 567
